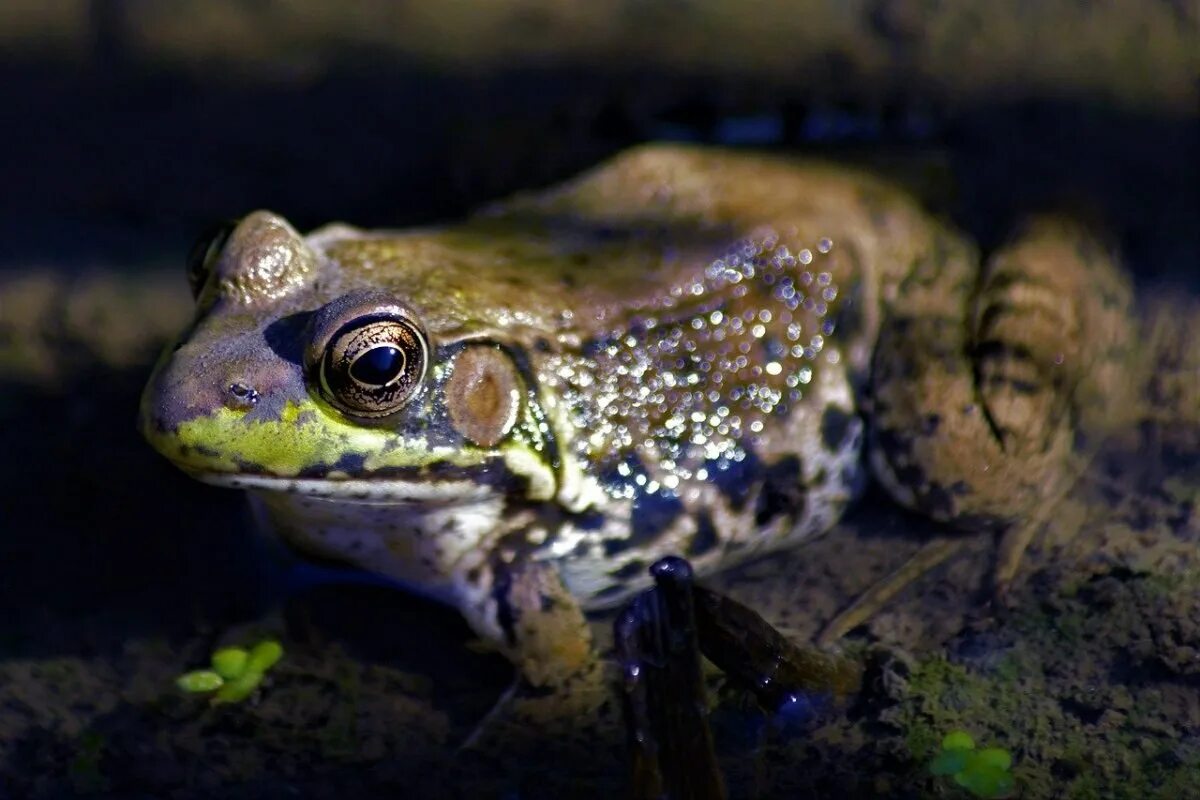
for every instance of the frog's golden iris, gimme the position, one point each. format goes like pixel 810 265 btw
pixel 368 354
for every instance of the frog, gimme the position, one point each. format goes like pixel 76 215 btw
pixel 685 350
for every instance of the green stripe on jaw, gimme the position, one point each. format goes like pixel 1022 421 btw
pixel 304 437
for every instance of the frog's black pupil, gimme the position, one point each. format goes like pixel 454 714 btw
pixel 378 366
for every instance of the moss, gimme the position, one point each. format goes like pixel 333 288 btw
pixel 1050 698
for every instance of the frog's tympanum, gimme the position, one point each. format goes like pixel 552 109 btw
pixel 684 351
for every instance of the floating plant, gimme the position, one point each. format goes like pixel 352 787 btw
pixel 235 672
pixel 983 773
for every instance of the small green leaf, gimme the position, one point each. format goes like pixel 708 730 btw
pixel 229 662
pixel 958 740
pixel 987 782
pixel 239 688
pixel 990 757
pixel 948 762
pixel 202 680
pixel 264 655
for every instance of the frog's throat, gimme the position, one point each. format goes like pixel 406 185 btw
pixel 356 491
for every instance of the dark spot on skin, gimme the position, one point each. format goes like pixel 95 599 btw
pixel 506 615
pixel 542 345
pixel 351 463
pixel 705 538
pixel 896 446
pixel 650 517
pixel 782 491
pixel 591 520
pixel 834 424
pixel 848 321
pixel 910 475
pixel 287 337
pixel 734 479
pixel 960 488
pixel 243 467
pixel 774 347
pixel 930 424
pixel 938 502
pixel 593 348
pixel 631 570
pixel 314 471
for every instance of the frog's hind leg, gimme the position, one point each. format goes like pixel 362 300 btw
pixel 981 379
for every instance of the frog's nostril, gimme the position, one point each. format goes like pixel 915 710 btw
pixel 240 395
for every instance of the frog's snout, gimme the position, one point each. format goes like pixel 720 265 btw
pixel 235 378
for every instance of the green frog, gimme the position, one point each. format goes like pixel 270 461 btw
pixel 683 351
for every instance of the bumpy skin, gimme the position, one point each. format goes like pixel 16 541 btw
pixel 681 351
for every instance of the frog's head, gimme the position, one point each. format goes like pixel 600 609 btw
pixel 301 375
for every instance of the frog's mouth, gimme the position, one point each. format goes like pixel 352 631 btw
pixel 358 491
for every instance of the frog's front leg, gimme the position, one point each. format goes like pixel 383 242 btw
pixel 532 618
pixel 536 622
pixel 982 378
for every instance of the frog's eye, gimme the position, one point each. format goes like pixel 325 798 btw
pixel 205 252
pixel 370 359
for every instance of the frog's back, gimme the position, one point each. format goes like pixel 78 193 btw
pixel 629 232
pixel 723 307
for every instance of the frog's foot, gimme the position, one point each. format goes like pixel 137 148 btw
pixel 562 686
pixel 981 381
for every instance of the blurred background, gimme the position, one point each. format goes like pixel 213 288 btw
pixel 130 125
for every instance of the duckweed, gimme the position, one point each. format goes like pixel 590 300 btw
pixel 235 672
pixel 983 773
